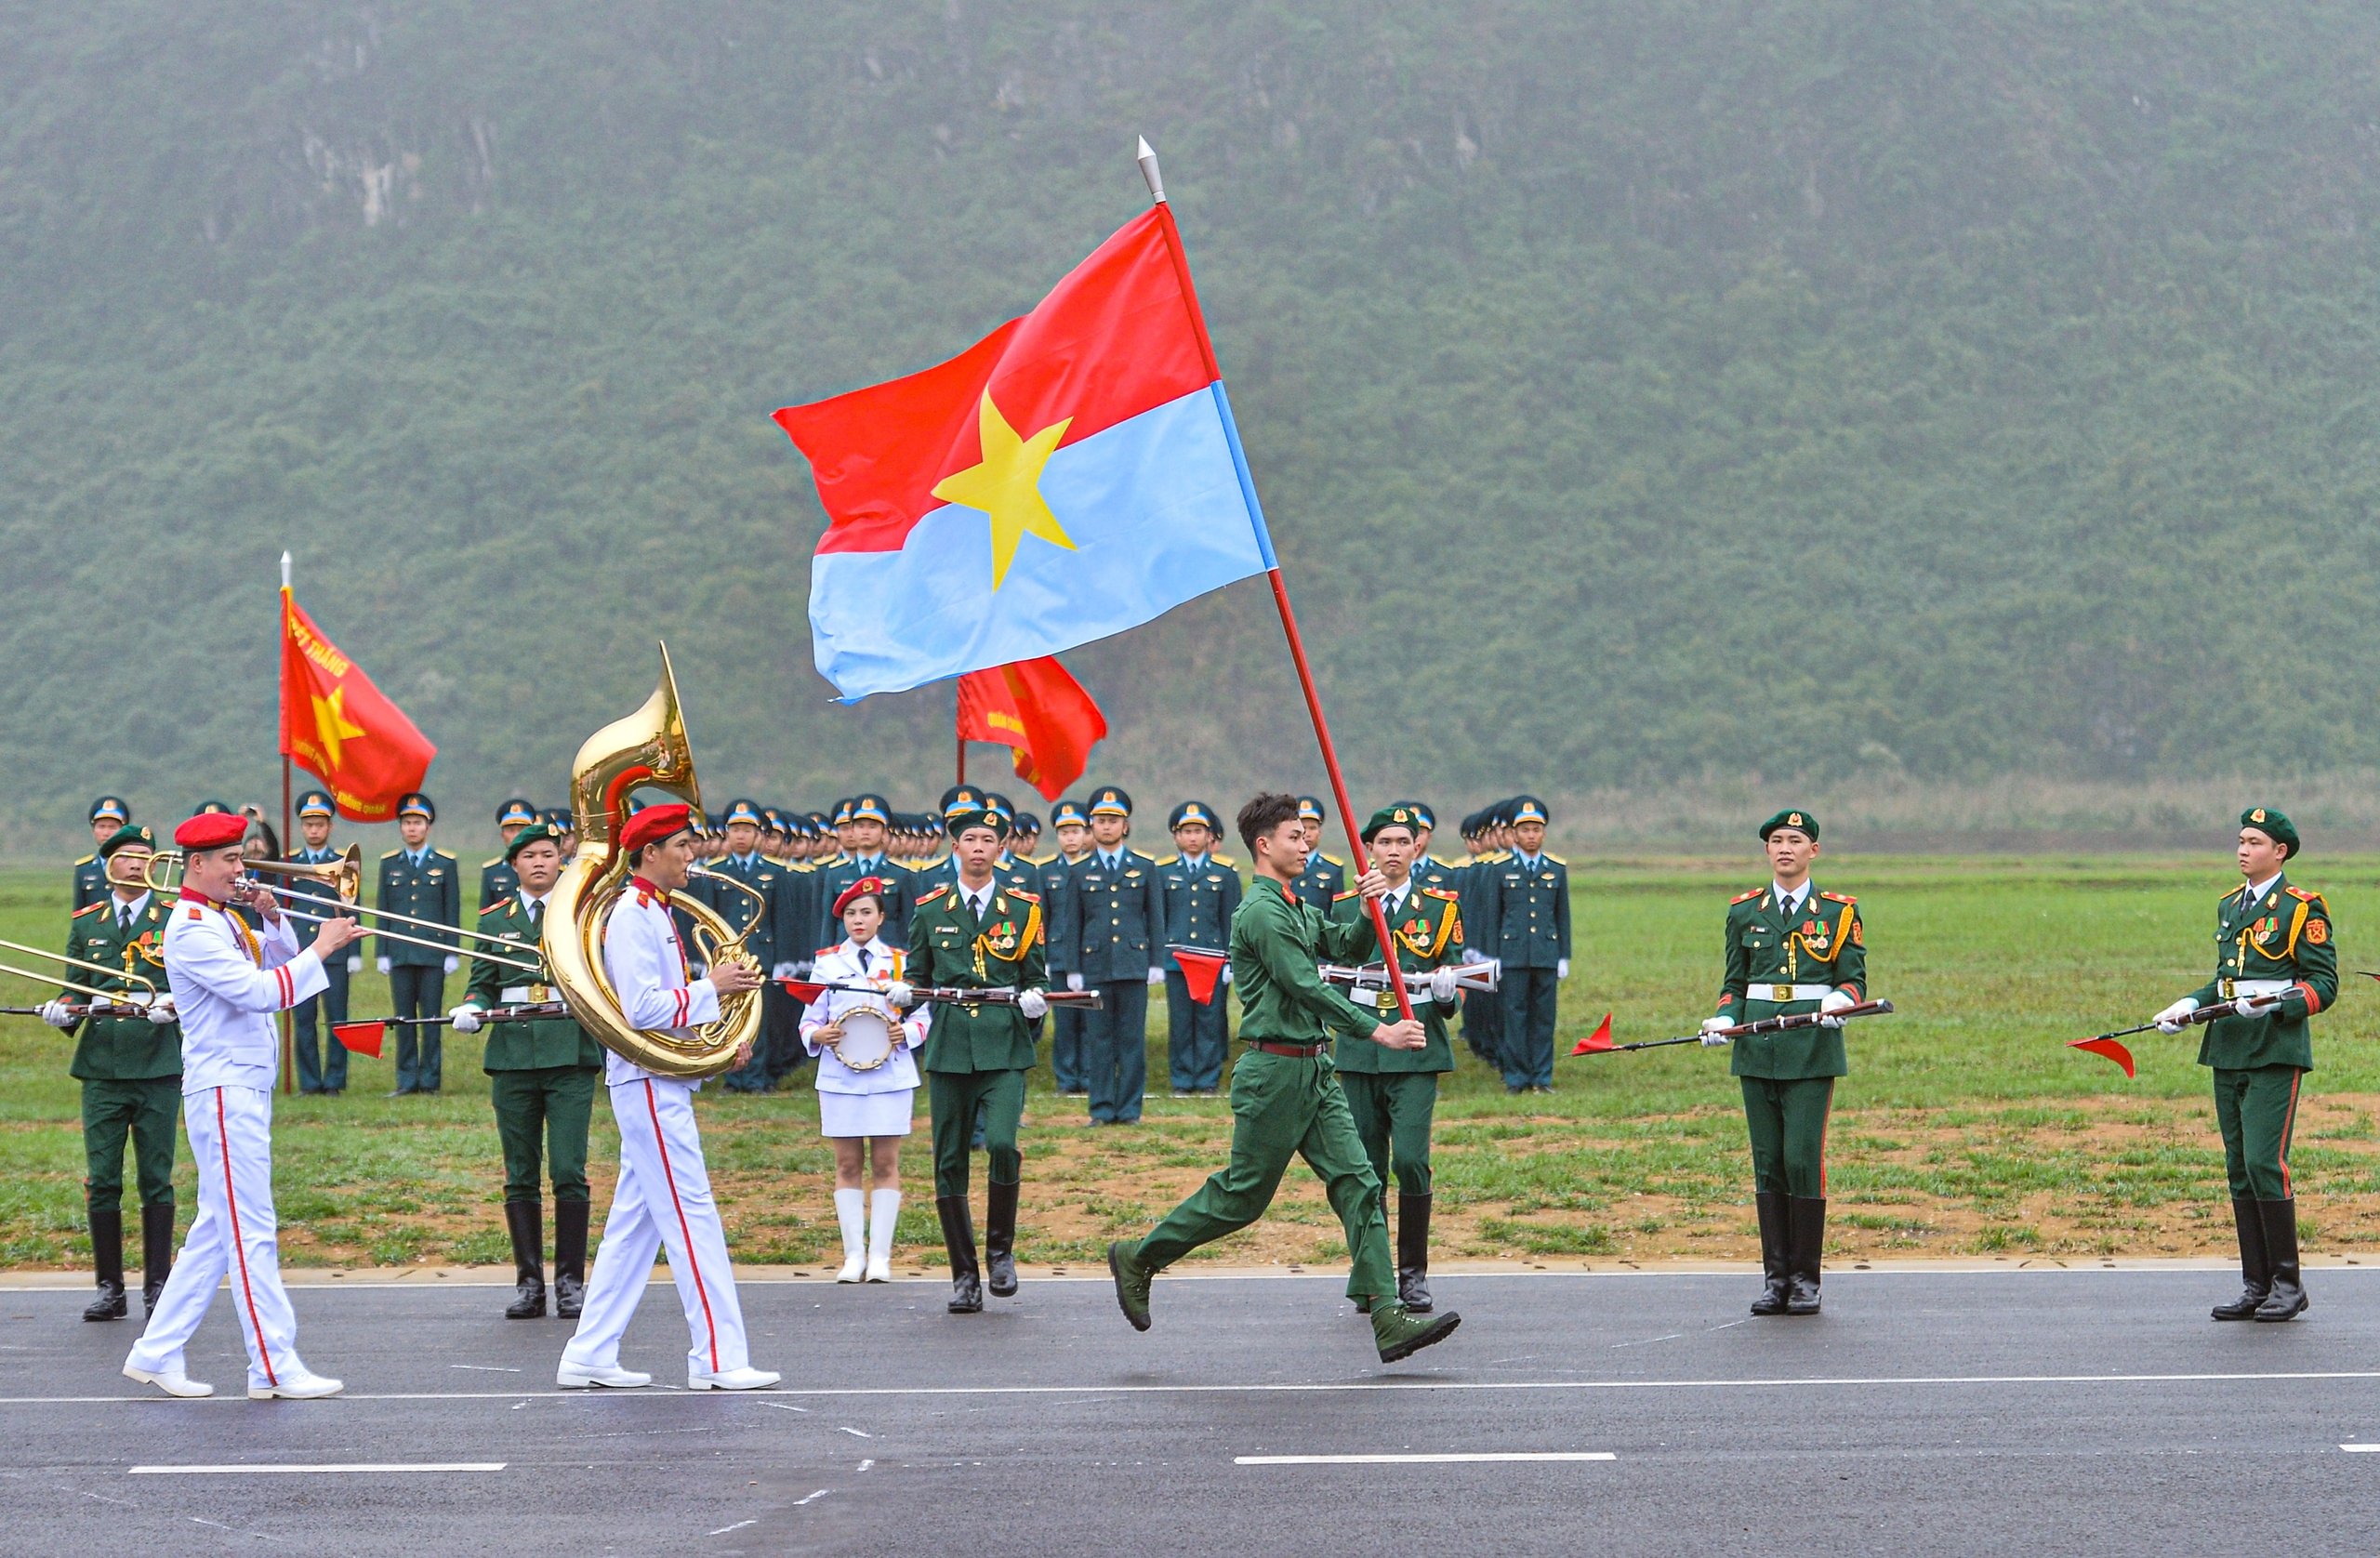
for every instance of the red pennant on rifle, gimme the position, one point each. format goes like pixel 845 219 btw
pixel 363 1039
pixel 1201 970
pixel 1599 1039
pixel 803 990
pixel 2112 1048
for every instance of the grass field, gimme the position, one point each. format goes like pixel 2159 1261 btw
pixel 1965 1125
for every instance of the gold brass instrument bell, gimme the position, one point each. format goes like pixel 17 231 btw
pixel 648 749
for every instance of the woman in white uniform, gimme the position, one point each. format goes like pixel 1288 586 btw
pixel 864 1106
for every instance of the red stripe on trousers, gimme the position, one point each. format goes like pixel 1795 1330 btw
pixel 693 1264
pixel 1825 1124
pixel 231 1205
pixel 2289 1129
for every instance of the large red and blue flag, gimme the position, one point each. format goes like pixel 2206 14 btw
pixel 1074 473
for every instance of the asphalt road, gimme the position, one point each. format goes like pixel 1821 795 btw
pixel 2037 1412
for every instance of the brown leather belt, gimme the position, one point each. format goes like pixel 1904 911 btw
pixel 1302 1052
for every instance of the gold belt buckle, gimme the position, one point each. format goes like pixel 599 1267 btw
pixel 2230 988
pixel 540 993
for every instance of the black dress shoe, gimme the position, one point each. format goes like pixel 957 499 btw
pixel 110 1305
pixel 2255 1269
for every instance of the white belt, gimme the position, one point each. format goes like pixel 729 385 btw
pixel 1781 993
pixel 2234 988
pixel 514 993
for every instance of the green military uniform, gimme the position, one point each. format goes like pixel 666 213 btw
pixel 2277 942
pixel 977 1058
pixel 542 1079
pixel 1781 958
pixel 427 886
pixel 1393 1093
pixel 131 1071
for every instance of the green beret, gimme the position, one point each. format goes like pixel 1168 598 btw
pixel 535 833
pixel 129 833
pixel 962 818
pixel 1793 816
pixel 1403 814
pixel 2273 825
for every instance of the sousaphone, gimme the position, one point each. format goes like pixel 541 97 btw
pixel 647 750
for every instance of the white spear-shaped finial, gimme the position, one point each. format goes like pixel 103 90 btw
pixel 1148 171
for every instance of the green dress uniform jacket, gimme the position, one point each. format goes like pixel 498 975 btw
pixel 90 881
pixel 523 1046
pixel 431 891
pixel 1111 920
pixel 496 879
pixel 1823 947
pixel 2285 935
pixel 1007 951
pixel 121 1048
pixel 1320 883
pixel 1428 927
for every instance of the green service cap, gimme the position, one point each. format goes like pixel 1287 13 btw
pixel 1793 816
pixel 2274 825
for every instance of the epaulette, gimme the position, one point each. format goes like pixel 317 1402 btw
pixel 1838 898
pixel 497 860
pixel 1224 861
pixel 1342 897
pixel 2304 893
pixel 392 854
pixel 88 908
pixel 1440 892
pixel 1334 860
pixel 931 896
pixel 1555 858
pixel 825 950
pixel 493 905
pixel 1020 892
pixel 1175 859
pixel 1746 897
pixel 86 860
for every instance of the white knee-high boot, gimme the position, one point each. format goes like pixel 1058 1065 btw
pixel 884 1214
pixel 849 1212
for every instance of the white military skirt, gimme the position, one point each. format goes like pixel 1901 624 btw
pixel 866 1113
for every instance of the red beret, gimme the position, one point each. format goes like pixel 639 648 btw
pixel 215 830
pixel 655 822
pixel 860 889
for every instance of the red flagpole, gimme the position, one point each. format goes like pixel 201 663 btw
pixel 1280 595
pixel 288 1022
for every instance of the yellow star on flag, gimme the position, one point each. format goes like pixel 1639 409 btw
pixel 1007 486
pixel 331 723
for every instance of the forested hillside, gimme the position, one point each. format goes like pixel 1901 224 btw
pixel 1640 392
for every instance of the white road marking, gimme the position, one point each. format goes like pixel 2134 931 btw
pixel 1382 1385
pixel 737 1526
pixel 820 1494
pixel 1417 1460
pixel 856 1433
pixel 2361 1449
pixel 485 1369
pixel 317 1466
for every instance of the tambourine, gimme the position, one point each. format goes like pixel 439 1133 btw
pixel 869 1038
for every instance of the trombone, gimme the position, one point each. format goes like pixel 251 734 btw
pixel 343 876
pixel 113 998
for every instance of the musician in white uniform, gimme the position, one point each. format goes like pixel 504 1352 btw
pixel 663 1200
pixel 865 1107
pixel 228 982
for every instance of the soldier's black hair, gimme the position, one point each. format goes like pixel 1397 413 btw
pixel 1264 815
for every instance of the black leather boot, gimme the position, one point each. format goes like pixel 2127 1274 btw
pixel 156 1253
pixel 1414 1252
pixel 1776 1254
pixel 2287 1300
pixel 1805 1242
pixel 570 1255
pixel 525 1219
pixel 999 1240
pixel 107 1258
pixel 2255 1269
pixel 958 1238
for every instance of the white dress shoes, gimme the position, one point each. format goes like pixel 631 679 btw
pixel 879 1270
pixel 585 1377
pixel 854 1265
pixel 732 1380
pixel 171 1382
pixel 297 1387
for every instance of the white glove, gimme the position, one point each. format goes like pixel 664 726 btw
pixel 1032 1004
pixel 159 1008
pixel 1227 973
pixel 355 962
pixel 2174 1018
pixel 1836 1001
pixel 1473 955
pixel 451 963
pixel 1074 982
pixel 465 1019
pixel 2246 1007
pixel 56 1015
pixel 899 994
pixel 1562 969
pixel 381 962
pixel 784 971
pixel 1712 1036
pixel 1443 989
pixel 1157 975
